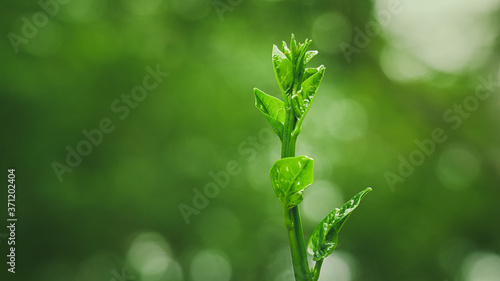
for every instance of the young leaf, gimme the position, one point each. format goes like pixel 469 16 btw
pixel 297 105
pixel 310 72
pixel 283 69
pixel 287 51
pixel 310 86
pixel 290 176
pixel 273 110
pixel 300 61
pixel 294 48
pixel 324 238
pixel 308 91
pixel 309 55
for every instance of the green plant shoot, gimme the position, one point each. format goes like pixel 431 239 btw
pixel 291 174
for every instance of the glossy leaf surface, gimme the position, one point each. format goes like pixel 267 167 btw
pixel 273 110
pixel 283 69
pixel 290 176
pixel 309 55
pixel 305 96
pixel 324 238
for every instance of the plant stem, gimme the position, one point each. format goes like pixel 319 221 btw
pixel 292 216
pixel 317 269
pixel 298 247
pixel 289 140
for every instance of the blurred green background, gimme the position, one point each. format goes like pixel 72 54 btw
pixel 395 73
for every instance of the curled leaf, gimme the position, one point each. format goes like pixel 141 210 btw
pixel 324 238
pixel 309 88
pixel 309 72
pixel 309 55
pixel 297 105
pixel 290 176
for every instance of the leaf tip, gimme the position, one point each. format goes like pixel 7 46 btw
pixel 256 92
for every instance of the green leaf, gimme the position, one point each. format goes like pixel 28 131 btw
pixel 283 69
pixel 310 72
pixel 310 86
pixel 295 49
pixel 290 176
pixel 308 91
pixel 302 56
pixel 324 238
pixel 273 110
pixel 309 55
pixel 287 51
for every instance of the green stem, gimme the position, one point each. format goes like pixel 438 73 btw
pixel 292 216
pixel 317 269
pixel 298 247
pixel 289 140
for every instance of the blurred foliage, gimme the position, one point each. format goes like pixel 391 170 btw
pixel 118 211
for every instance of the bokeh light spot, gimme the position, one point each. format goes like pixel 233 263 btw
pixel 346 119
pixel 278 264
pixel 149 254
pixel 455 35
pixel 209 265
pixel 320 199
pixel 285 275
pixel 452 254
pixel 214 221
pixel 400 65
pixel 340 266
pixel 481 266
pixel 329 30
